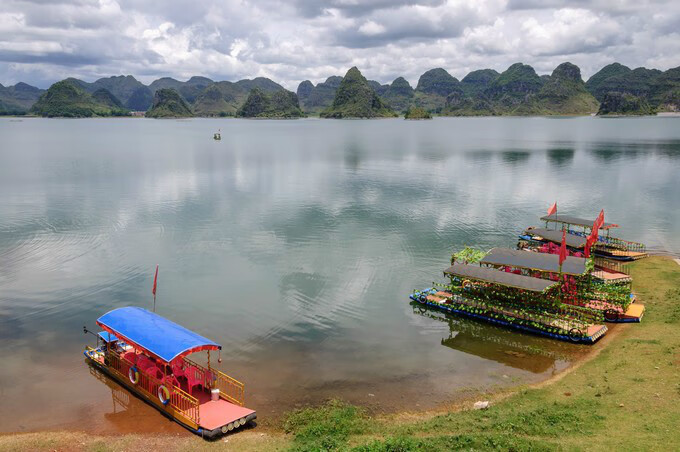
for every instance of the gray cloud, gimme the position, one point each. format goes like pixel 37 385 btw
pixel 43 41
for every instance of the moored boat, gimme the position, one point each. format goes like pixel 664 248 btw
pixel 610 270
pixel 579 283
pixel 147 354
pixel 522 302
pixel 606 245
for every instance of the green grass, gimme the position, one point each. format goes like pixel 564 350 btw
pixel 325 428
pixel 625 398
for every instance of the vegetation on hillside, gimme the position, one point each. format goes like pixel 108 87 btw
pixel 513 88
pixel 565 93
pixel 399 94
pixel 315 99
pixel 167 103
pixel 476 82
pixel 417 113
pixel 595 84
pixel 637 82
pixel 189 90
pixel 18 99
pixel 517 91
pixel 225 98
pixel 624 104
pixel 664 93
pixel 432 88
pixel 279 104
pixel 131 93
pixel 520 91
pixel 104 97
pixel 67 99
pixel 356 99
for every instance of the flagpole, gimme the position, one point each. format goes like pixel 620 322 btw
pixel 153 289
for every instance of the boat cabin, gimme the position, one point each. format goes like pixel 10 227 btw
pixel 580 285
pixel 513 300
pixel 612 247
pixel 148 354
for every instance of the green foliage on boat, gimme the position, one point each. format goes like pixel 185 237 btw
pixel 468 255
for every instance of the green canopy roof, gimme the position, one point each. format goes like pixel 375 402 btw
pixel 576 221
pixel 573 241
pixel 535 261
pixel 491 275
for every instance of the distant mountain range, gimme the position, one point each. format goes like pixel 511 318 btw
pixel 519 90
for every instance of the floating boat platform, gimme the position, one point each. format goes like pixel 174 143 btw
pixel 633 314
pixel 146 354
pixel 611 277
pixel 438 300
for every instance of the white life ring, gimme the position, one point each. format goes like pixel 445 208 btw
pixel 133 375
pixel 163 394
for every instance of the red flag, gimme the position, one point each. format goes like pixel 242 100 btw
pixel 563 248
pixel 553 209
pixel 155 281
pixel 599 221
pixel 589 243
pixel 595 232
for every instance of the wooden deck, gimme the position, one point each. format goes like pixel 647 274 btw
pixel 635 255
pixel 215 414
pixel 609 276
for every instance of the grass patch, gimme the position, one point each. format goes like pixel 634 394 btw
pixel 457 442
pixel 325 428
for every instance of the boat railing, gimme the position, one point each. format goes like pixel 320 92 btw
pixel 605 242
pixel 185 405
pixel 611 265
pixel 231 389
pixel 625 244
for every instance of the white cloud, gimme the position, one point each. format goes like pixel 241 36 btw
pixel 41 42
pixel 371 28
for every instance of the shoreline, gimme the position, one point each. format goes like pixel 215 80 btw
pixel 277 436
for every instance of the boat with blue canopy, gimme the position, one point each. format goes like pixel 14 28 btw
pixel 148 353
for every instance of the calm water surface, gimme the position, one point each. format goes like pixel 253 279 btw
pixel 294 244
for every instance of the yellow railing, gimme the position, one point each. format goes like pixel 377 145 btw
pixel 184 405
pixel 231 389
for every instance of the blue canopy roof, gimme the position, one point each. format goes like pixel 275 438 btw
pixel 108 337
pixel 153 333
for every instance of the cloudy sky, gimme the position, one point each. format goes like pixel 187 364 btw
pixel 42 41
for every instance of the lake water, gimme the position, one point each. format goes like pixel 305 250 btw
pixel 295 244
